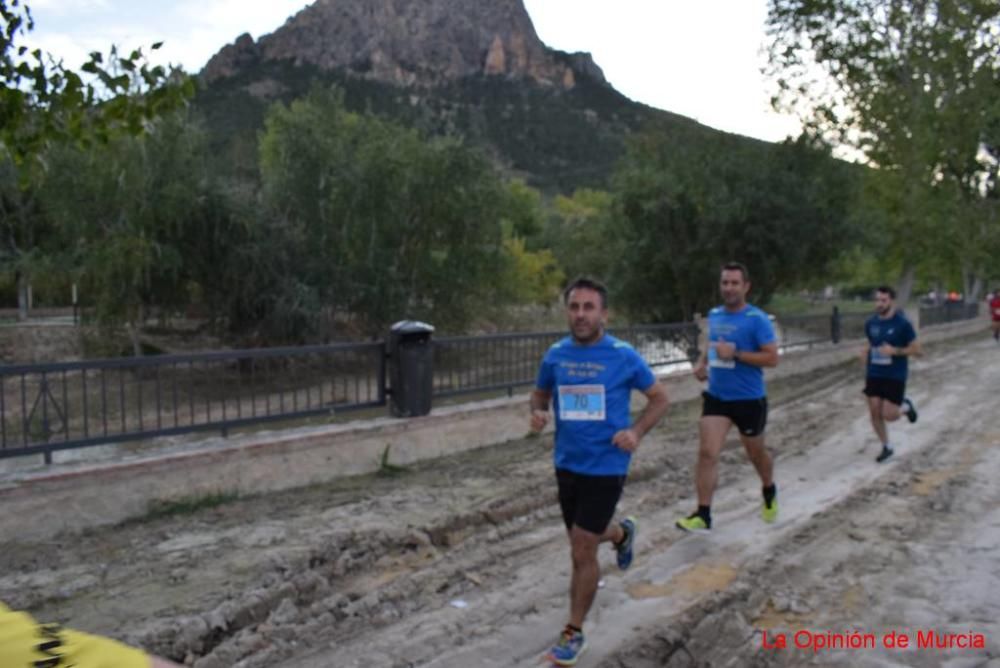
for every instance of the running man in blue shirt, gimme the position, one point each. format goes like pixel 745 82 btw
pixel 740 344
pixel 891 339
pixel 590 376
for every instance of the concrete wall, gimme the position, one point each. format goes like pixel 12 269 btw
pixel 27 343
pixel 73 496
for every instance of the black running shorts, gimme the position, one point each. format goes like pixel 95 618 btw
pixel 889 389
pixel 749 415
pixel 588 501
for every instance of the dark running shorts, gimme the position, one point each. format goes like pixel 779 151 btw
pixel 588 501
pixel 889 389
pixel 749 416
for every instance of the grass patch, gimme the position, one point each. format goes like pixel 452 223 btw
pixel 385 468
pixel 188 505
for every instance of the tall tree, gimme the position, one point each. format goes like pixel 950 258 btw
pixel 43 102
pixel 140 219
pixel 579 233
pixel 913 85
pixel 387 224
pixel 682 208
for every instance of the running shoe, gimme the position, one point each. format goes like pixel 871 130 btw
pixel 624 549
pixel 911 411
pixel 693 523
pixel 769 513
pixel 884 455
pixel 569 648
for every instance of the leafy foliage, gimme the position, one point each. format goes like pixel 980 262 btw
pixel 140 221
pixel 681 209
pixel 45 104
pixel 580 235
pixel 914 85
pixel 384 225
pixel 42 101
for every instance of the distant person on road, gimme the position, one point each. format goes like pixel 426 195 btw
pixel 891 340
pixel 995 314
pixel 590 375
pixel 741 342
pixel 24 643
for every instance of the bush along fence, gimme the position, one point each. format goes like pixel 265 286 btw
pixel 49 407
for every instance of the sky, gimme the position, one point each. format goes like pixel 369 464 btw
pixel 699 58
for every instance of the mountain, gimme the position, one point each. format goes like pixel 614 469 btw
pixel 470 67
pixel 409 42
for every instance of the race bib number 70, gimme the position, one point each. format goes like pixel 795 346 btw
pixel 581 402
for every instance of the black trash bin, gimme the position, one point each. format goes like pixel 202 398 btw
pixel 411 368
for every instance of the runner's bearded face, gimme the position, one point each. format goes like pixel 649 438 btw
pixel 733 288
pixel 883 303
pixel 586 315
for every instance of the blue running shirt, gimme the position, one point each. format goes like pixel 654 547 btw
pixel 749 329
pixel 591 389
pixel 897 332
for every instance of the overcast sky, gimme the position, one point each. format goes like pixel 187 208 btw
pixel 699 58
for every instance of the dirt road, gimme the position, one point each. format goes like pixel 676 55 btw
pixel 464 561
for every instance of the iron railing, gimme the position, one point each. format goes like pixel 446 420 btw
pixel 475 364
pixel 49 407
pixel 948 312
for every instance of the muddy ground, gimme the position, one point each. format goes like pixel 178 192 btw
pixel 463 561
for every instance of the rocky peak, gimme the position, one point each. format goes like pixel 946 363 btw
pixel 408 42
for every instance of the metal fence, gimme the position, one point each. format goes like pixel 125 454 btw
pixel 473 364
pixel 948 312
pixel 802 331
pixel 49 407
pixel 470 364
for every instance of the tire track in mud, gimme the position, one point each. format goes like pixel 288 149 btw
pixel 411 546
pixel 885 557
pixel 62 580
pixel 801 587
pixel 819 417
pixel 655 481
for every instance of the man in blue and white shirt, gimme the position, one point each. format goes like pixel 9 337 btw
pixel 589 377
pixel 741 342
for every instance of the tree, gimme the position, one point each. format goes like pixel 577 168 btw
pixel 44 103
pixel 140 220
pixel 682 208
pixel 913 85
pixel 579 233
pixel 41 100
pixel 532 275
pixel 383 224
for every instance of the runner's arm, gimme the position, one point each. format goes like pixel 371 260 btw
pixel 700 368
pixel 767 356
pixel 914 349
pixel 539 403
pixel 656 407
pixel 540 400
